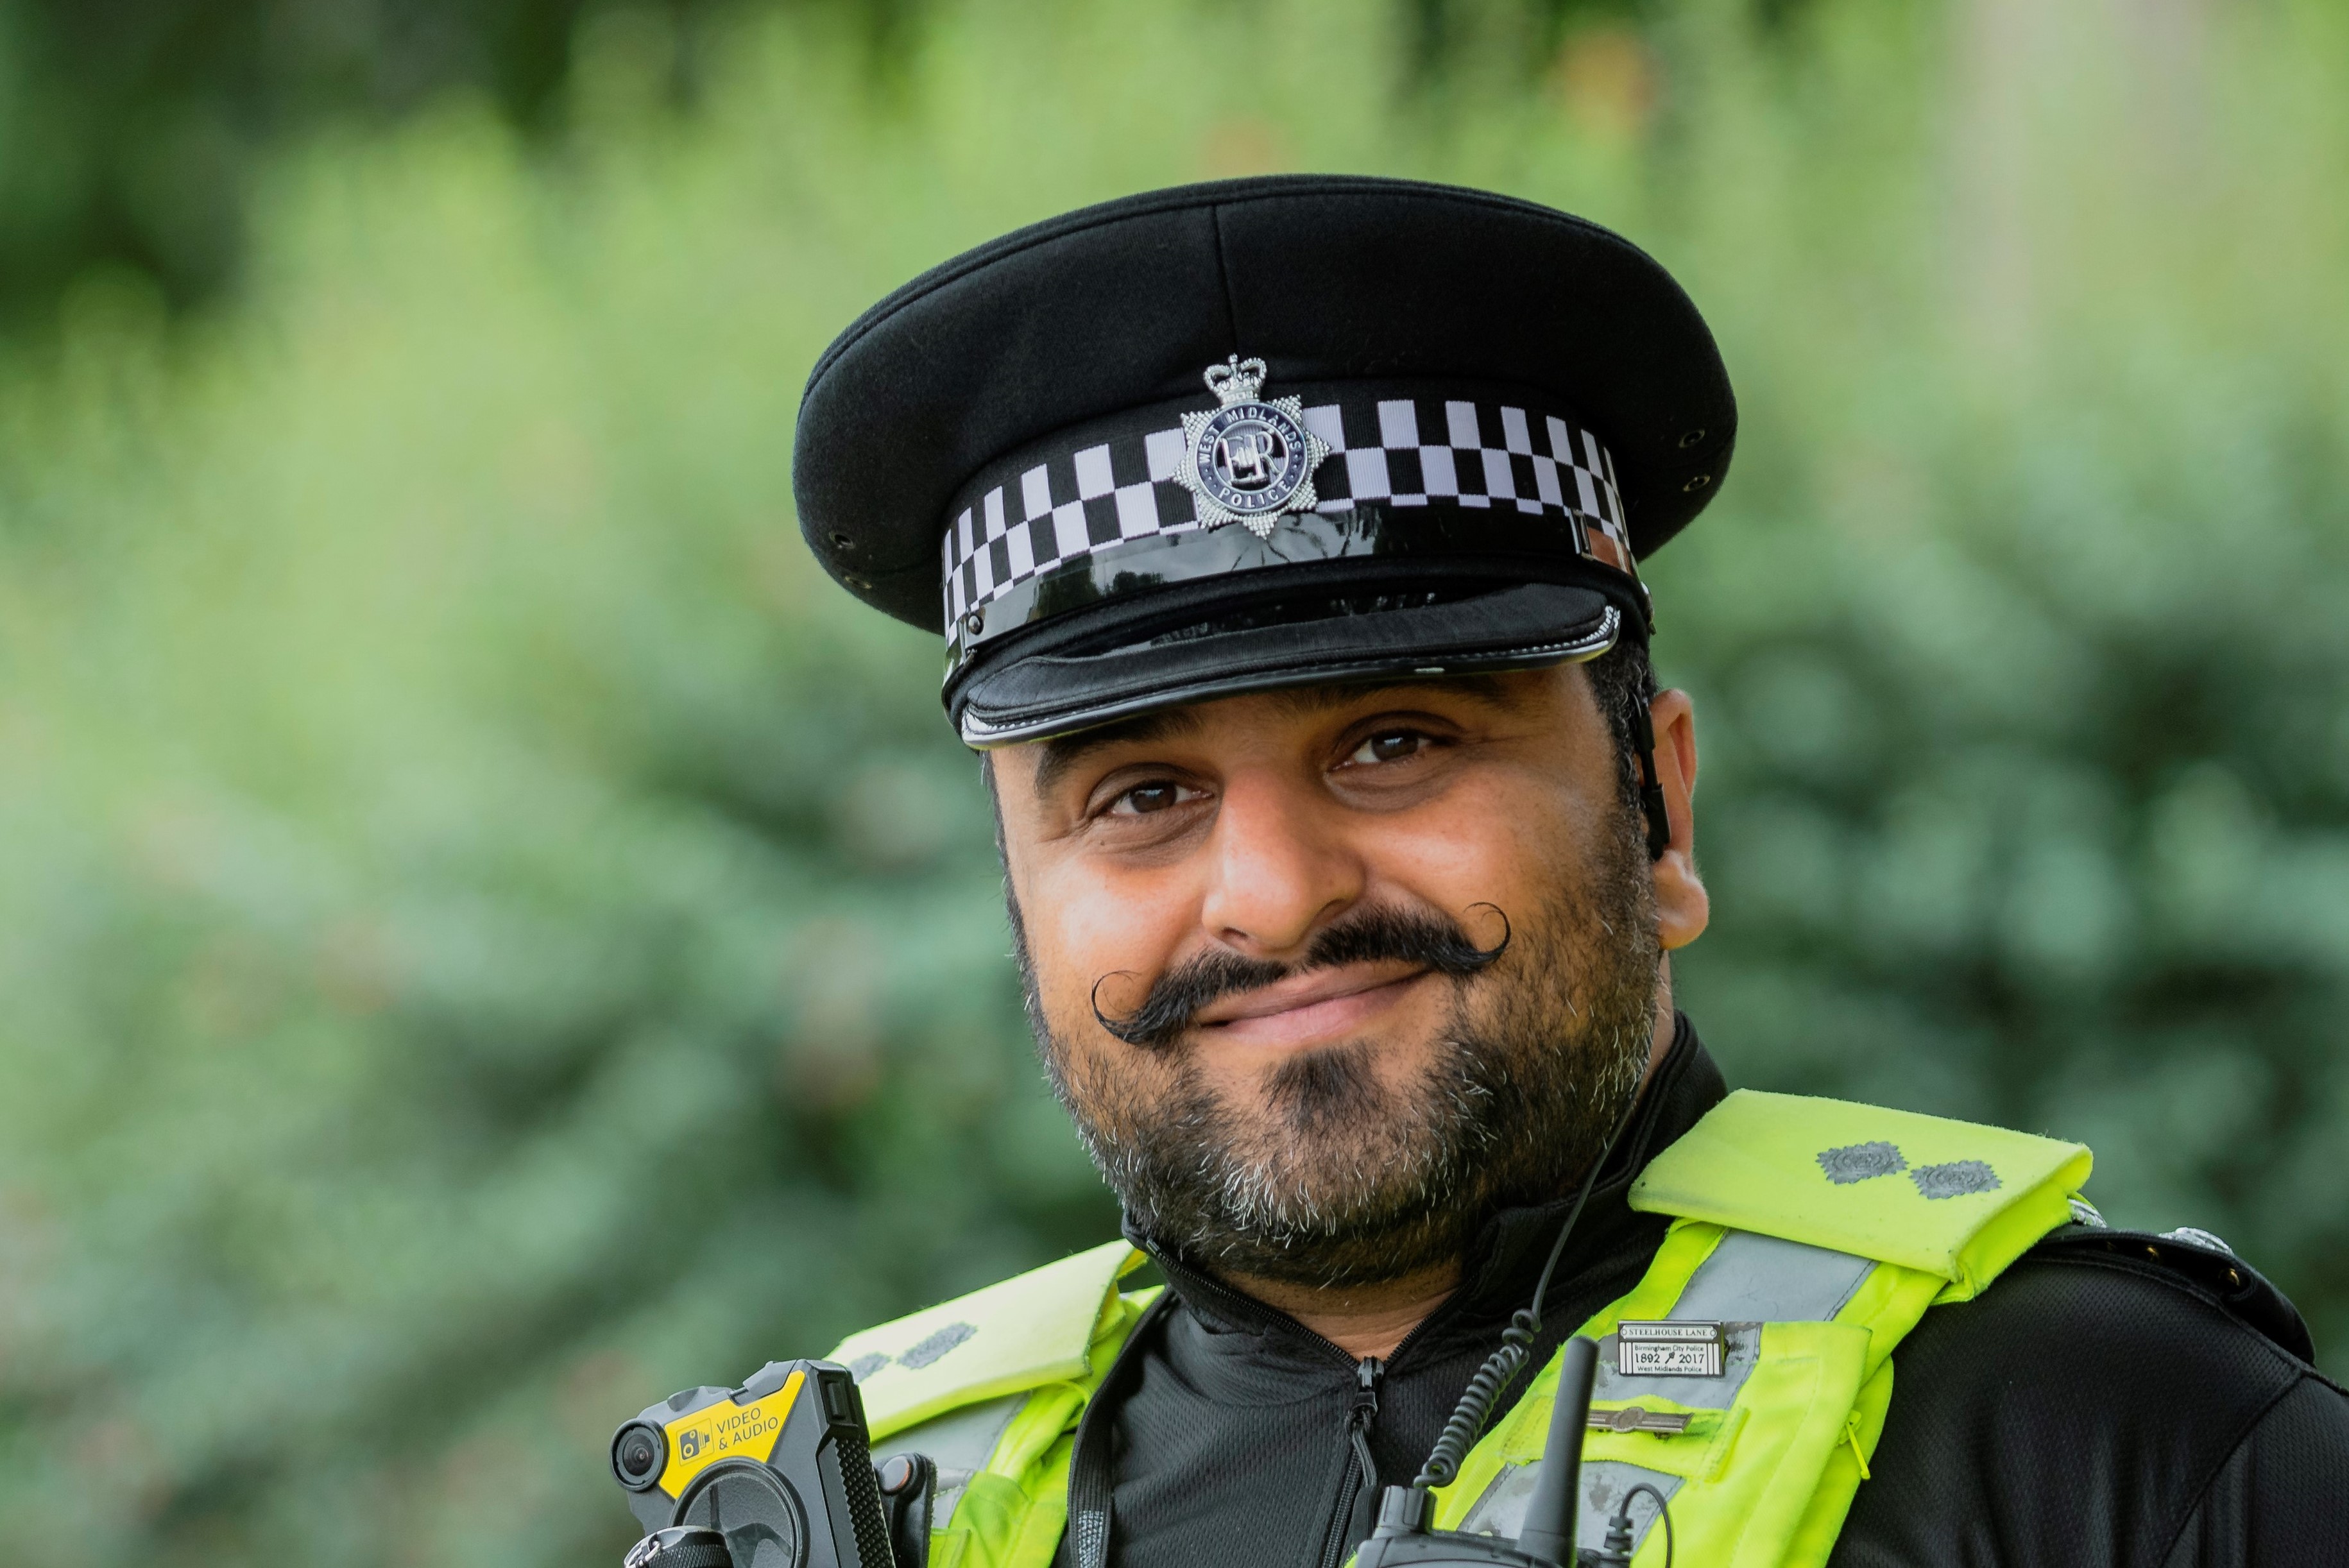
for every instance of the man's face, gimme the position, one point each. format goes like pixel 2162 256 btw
pixel 1325 976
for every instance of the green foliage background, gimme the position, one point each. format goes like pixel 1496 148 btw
pixel 489 935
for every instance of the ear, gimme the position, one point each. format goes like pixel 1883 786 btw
pixel 1681 907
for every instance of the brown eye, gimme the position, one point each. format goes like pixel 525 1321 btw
pixel 1145 798
pixel 1391 745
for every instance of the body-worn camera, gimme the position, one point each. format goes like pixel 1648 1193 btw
pixel 778 1468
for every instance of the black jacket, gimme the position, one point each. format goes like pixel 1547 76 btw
pixel 2096 1406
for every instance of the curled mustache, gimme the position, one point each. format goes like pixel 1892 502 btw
pixel 1177 997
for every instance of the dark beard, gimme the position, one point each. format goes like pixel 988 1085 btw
pixel 1337 1179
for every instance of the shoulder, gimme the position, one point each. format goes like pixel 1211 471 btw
pixel 2083 1406
pixel 2186 1262
pixel 2159 1327
pixel 1048 1324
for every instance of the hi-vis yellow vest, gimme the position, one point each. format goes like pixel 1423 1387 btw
pixel 1816 1232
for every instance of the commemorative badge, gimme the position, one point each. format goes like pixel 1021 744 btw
pixel 1249 460
pixel 1671 1348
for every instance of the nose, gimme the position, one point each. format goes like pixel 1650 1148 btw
pixel 1280 866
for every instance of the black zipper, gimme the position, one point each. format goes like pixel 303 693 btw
pixel 1357 1495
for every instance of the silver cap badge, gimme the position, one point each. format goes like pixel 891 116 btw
pixel 1249 460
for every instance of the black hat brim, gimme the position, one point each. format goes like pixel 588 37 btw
pixel 1132 659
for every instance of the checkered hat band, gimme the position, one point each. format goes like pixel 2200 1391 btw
pixel 1396 451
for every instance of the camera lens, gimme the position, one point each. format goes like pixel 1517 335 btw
pixel 638 1452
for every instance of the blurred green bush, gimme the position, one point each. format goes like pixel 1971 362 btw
pixel 492 937
pixel 132 129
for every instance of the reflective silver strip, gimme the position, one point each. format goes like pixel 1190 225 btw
pixel 1748 1280
pixel 1604 1483
pixel 959 1443
pixel 1753 1278
pixel 1502 1509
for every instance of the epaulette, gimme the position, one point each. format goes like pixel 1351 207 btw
pixel 2198 1259
pixel 1036 1328
pixel 1951 1198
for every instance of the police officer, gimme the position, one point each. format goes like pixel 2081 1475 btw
pixel 1283 533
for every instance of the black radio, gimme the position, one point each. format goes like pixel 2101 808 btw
pixel 1546 1538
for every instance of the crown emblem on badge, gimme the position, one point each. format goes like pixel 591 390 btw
pixel 1250 460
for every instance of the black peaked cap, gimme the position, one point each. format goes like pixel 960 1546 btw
pixel 1262 433
pixel 1326 278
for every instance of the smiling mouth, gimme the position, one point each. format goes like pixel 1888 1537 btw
pixel 1308 1008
